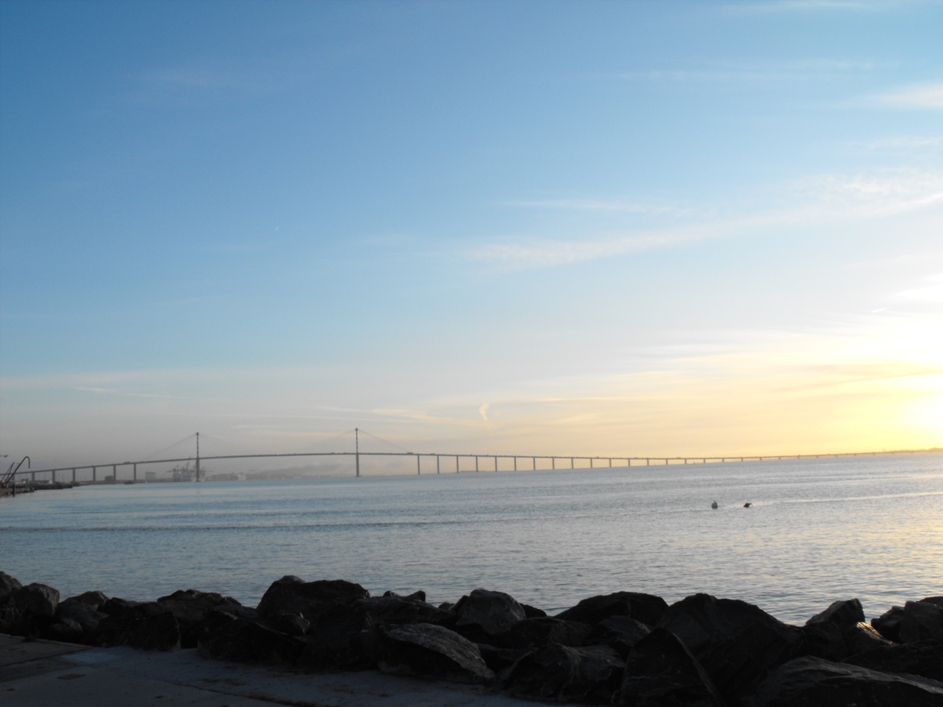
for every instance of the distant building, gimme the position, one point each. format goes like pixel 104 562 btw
pixel 150 476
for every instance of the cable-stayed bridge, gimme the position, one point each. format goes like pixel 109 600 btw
pixel 435 462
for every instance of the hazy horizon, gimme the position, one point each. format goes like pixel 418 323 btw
pixel 555 228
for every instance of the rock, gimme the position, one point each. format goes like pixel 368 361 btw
pixel 493 612
pixel 497 658
pixel 415 596
pixel 234 608
pixel 660 670
pixel 923 658
pixel 8 585
pixel 888 623
pixel 845 614
pixel 92 599
pixel 33 599
pixel 346 636
pixel 737 643
pixel 84 615
pixel 839 632
pixel 532 633
pixel 532 612
pixel 115 606
pixel 813 682
pixel 646 608
pixel 427 649
pixel 189 607
pixel 65 630
pixel 619 633
pixel 148 625
pixel 558 672
pixel 289 624
pixel 921 620
pixel 291 595
pixel 226 637
pixel 938 601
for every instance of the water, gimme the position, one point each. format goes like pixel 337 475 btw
pixel 819 530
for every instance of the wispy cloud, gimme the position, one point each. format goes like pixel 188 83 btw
pixel 920 96
pixel 611 205
pixel 818 199
pixel 905 143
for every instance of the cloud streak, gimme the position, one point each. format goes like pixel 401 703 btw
pixel 920 96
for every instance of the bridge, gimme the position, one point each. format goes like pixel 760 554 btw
pixel 453 461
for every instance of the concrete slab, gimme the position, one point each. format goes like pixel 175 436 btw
pixel 62 674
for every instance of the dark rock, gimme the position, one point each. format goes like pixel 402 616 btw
pixel 8 585
pixel 497 658
pixel 415 596
pixel 447 606
pixel 147 625
pixel 493 612
pixel 532 633
pixel 234 608
pixel 32 626
pixel 84 615
pixel 289 624
pixel 845 614
pixel 646 608
pixel 226 637
pixel 92 599
pixel 65 630
pixel 346 636
pixel 427 649
pixel 291 595
pixel 737 643
pixel 532 612
pixel 189 607
pixel 938 601
pixel 33 599
pixel 116 606
pixel 923 658
pixel 660 670
pixel 558 672
pixel 813 682
pixel 839 632
pixel 619 633
pixel 921 620
pixel 888 623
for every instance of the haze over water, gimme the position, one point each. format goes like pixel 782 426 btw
pixel 818 530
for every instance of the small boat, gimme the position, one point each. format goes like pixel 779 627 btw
pixel 747 505
pixel 714 505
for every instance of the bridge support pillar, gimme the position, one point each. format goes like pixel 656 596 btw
pixel 32 476
pixel 418 468
pixel 572 465
pixel 114 473
pixel 456 463
pixel 553 462
pixel 495 463
pixel 590 462
pixel 515 463
pixel 437 470
pixel 53 476
pixel 476 463
pixel 535 463
pixel 94 474
pixel 610 463
pixel 135 472
pixel 73 476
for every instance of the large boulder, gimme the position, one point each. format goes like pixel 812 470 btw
pixel 498 658
pixel 147 625
pixel 532 633
pixel 736 642
pixel 619 633
pixel 430 650
pixel 292 595
pixel 646 608
pixel 32 599
pixel 915 621
pixel 93 599
pixel 814 682
pixel 8 585
pixel 923 658
pixel 189 607
pixel 558 672
pixel 839 632
pixel 85 616
pixel 660 670
pixel 345 636
pixel 227 637
pixel 492 612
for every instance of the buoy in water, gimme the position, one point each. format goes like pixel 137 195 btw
pixel 714 505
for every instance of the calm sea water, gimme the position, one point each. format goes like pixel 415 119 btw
pixel 819 530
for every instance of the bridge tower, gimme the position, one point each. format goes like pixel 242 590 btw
pixel 197 456
pixel 357 448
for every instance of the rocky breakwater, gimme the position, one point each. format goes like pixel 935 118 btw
pixel 624 648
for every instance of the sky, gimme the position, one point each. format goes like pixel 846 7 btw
pixel 633 228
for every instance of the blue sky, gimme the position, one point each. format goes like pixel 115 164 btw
pixel 562 227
